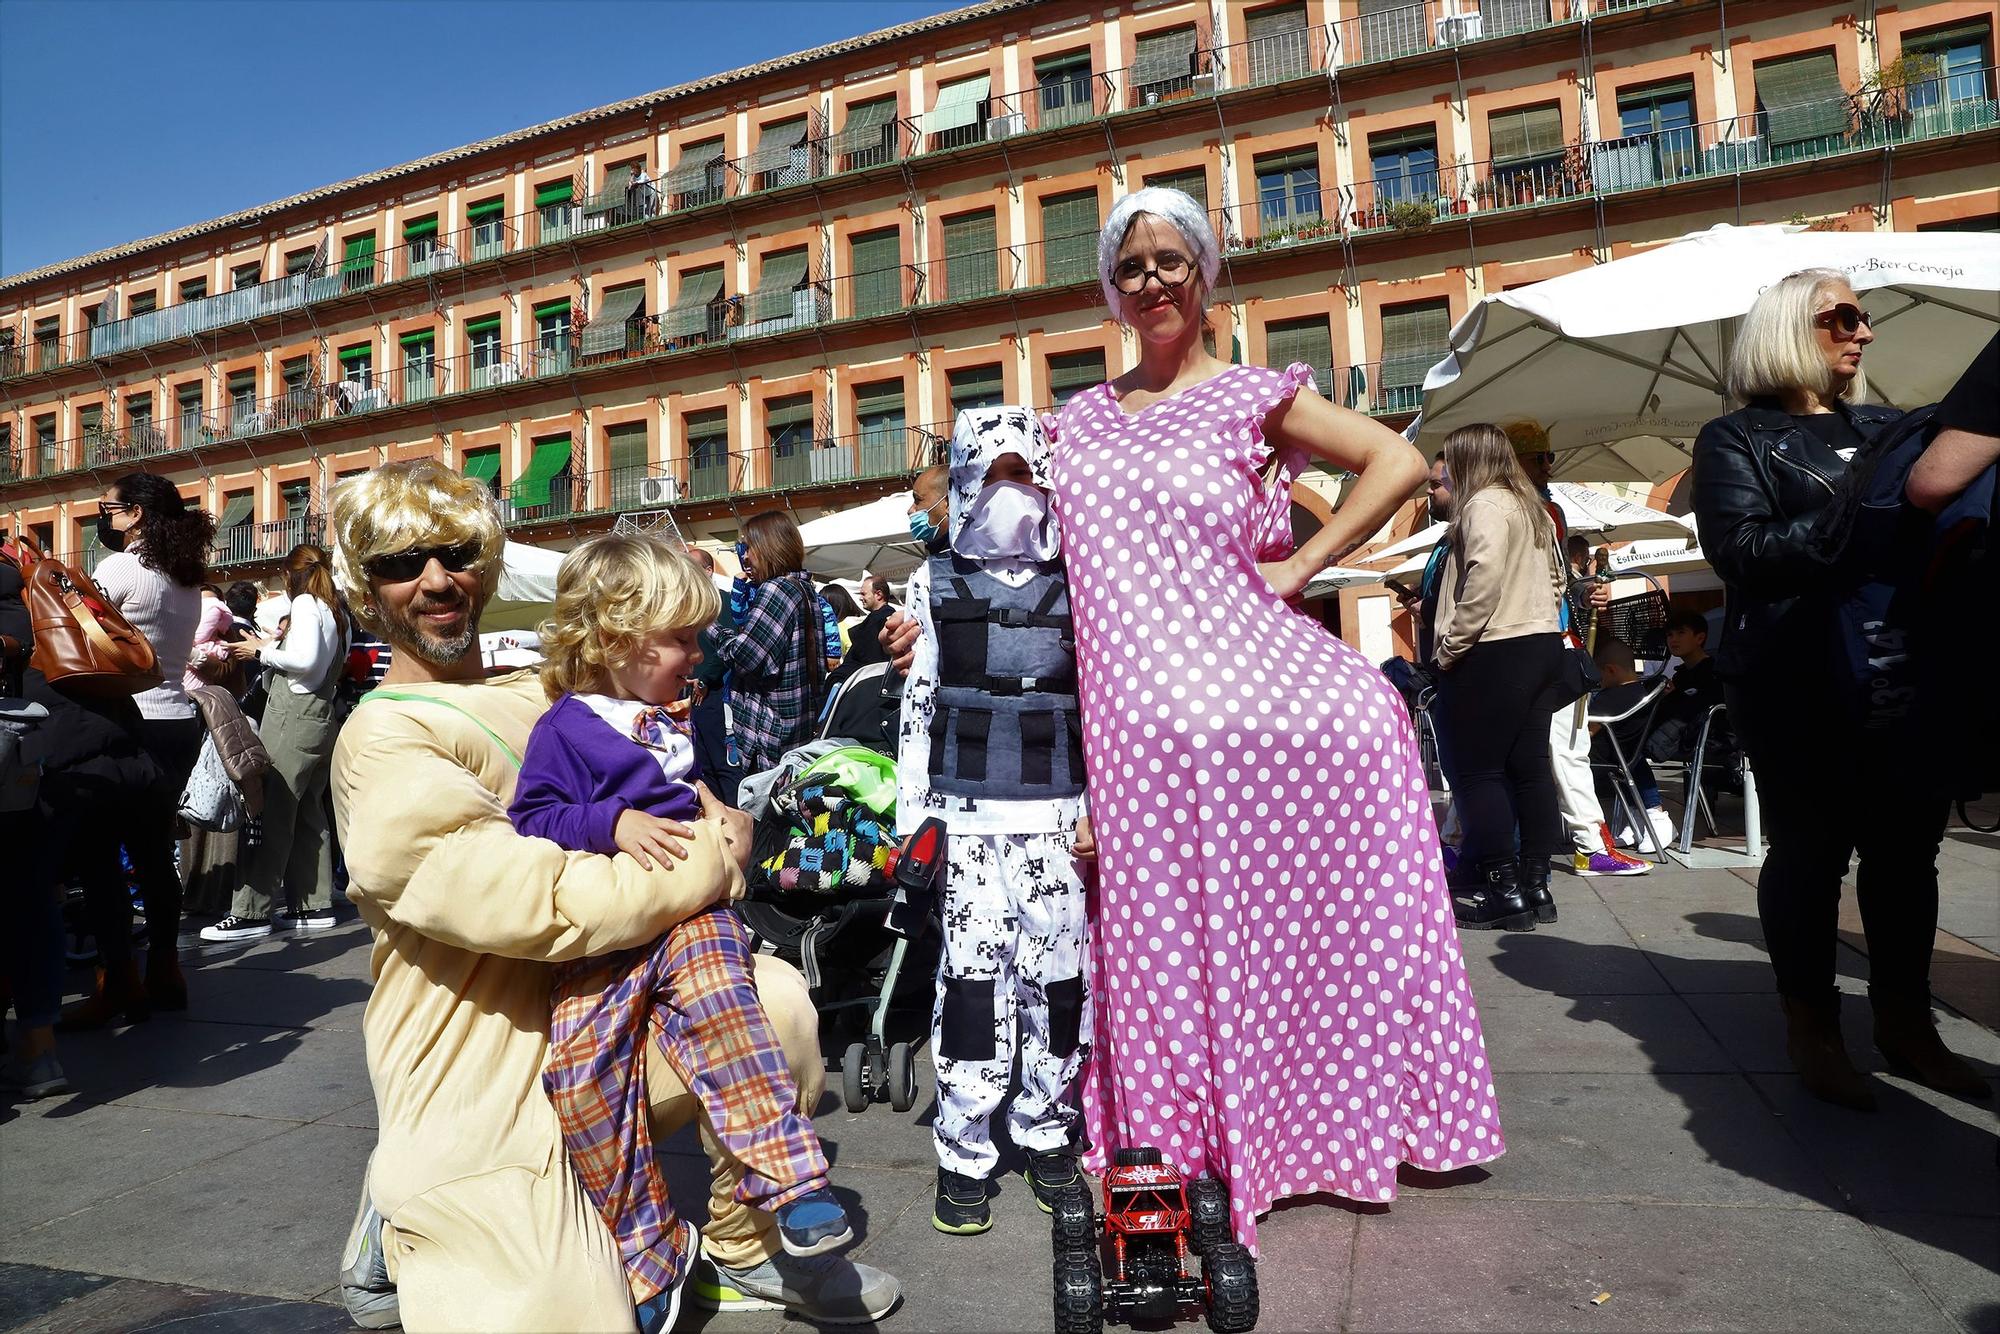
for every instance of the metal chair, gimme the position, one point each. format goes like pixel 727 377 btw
pixel 1626 787
pixel 1695 803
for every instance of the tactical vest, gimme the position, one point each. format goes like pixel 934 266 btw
pixel 1006 724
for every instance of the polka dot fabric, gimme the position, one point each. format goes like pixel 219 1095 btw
pixel 1280 998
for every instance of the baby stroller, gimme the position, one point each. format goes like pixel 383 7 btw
pixel 853 965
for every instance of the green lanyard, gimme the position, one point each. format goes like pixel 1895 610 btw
pixel 380 693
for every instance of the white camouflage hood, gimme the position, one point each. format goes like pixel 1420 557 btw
pixel 982 435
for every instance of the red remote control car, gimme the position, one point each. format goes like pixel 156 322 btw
pixel 1154 1222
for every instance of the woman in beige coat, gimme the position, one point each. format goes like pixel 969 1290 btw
pixel 1499 652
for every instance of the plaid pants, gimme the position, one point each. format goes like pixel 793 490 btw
pixel 692 991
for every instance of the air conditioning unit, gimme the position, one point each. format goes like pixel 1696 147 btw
pixel 1001 127
pixel 1203 84
pixel 655 491
pixel 1455 28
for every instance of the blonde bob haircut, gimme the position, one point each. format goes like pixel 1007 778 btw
pixel 402 506
pixel 611 592
pixel 1777 349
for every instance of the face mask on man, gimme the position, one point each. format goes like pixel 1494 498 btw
pixel 925 529
pixel 111 539
pixel 1007 519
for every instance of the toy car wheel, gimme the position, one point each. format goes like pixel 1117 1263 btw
pixel 1208 1212
pixel 1079 1285
pixel 902 1078
pixel 1071 1223
pixel 854 1077
pixel 1136 1158
pixel 1232 1288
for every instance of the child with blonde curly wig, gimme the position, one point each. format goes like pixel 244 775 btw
pixel 612 768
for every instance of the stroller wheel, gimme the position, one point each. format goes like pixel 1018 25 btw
pixel 902 1078
pixel 854 1077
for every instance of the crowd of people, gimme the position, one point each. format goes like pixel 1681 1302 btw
pixel 547 857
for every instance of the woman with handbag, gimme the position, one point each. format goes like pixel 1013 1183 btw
pixel 296 856
pixel 1500 662
pixel 159 550
pixel 1831 787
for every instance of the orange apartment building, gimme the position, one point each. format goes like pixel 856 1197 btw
pixel 776 285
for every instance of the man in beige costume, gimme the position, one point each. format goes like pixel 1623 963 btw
pixel 486 1228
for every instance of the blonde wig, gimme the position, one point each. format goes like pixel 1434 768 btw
pixel 402 506
pixel 1180 211
pixel 1481 456
pixel 1777 348
pixel 611 592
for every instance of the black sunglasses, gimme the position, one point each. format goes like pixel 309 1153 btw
pixel 403 566
pixel 1844 319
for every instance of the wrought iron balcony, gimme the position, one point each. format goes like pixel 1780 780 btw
pixel 246 543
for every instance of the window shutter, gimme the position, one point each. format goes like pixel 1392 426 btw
pixel 1193 183
pixel 971 258
pixel 1308 341
pixel 958 104
pixel 531 488
pixel 613 196
pixel 688 315
pixel 1802 98
pixel 876 260
pixel 1414 338
pixel 1498 17
pixel 1298 159
pixel 483 465
pixel 1279 45
pixel 784 270
pixel 774 147
pixel 783 416
pixel 693 174
pixel 1073 372
pixel 872 400
pixel 864 129
pixel 236 509
pixel 976 387
pixel 1528 132
pixel 1162 57
pixel 607 332
pixel 626 444
pixel 1273 22
pixel 1069 237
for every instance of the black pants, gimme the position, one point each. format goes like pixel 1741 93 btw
pixel 144 825
pixel 1502 775
pixel 1828 790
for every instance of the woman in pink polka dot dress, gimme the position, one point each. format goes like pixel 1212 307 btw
pixel 1280 998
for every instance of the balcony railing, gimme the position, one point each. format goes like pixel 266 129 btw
pixel 243 543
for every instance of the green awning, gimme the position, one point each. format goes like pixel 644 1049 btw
pixel 482 465
pixel 485 324
pixel 878 397
pixel 864 128
pixel 958 104
pixel 420 336
pixel 489 208
pixel 359 352
pixel 548 308
pixel 556 193
pixel 413 231
pixel 235 509
pixel 532 487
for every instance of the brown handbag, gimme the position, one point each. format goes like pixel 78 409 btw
pixel 83 645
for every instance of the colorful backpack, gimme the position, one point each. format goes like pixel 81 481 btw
pixel 843 827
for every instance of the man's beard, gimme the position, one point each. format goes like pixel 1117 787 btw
pixel 406 634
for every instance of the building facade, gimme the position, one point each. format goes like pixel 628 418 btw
pixel 777 285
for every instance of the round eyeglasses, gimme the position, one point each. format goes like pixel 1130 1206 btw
pixel 1171 269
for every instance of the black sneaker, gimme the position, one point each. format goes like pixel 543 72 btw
pixel 313 919
pixel 233 927
pixel 961 1208
pixel 1050 1174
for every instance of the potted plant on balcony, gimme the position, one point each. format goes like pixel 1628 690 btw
pixel 1409 216
pixel 1316 230
pixel 1897 93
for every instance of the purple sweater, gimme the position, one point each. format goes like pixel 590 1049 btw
pixel 579 775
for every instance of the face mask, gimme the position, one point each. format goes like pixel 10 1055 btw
pixel 1007 519
pixel 924 528
pixel 109 537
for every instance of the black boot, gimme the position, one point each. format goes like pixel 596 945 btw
pixel 1491 900
pixel 1906 1035
pixel 1813 1041
pixel 1535 889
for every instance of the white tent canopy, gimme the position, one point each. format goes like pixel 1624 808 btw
pixel 1331 580
pixel 1610 517
pixel 869 539
pixel 1422 540
pixel 1623 363
pixel 1659 556
pixel 527 592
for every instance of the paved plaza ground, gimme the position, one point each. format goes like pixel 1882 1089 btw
pixel 203 1175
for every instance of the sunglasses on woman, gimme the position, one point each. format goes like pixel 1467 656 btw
pixel 403 566
pixel 1844 319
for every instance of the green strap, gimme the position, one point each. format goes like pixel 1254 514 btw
pixel 379 693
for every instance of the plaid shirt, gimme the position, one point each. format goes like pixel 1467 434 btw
pixel 777 669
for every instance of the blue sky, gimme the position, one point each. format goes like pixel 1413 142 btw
pixel 116 124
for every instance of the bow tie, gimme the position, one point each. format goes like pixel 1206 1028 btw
pixel 656 726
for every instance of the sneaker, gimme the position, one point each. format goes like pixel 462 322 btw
pixel 365 1288
pixel 316 919
pixel 1050 1174
pixel 1607 861
pixel 818 1289
pixel 814 1224
pixel 657 1314
pixel 233 927
pixel 42 1077
pixel 961 1209
pixel 1663 826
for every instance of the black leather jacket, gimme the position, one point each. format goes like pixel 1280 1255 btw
pixel 1759 480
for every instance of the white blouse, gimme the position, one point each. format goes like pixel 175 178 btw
pixel 311 650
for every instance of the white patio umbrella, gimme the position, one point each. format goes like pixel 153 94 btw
pixel 527 592
pixel 1331 580
pixel 1657 556
pixel 873 538
pixel 1623 363
pixel 1422 540
pixel 1600 514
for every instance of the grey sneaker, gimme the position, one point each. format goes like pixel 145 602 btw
pixel 42 1077
pixel 365 1288
pixel 818 1289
